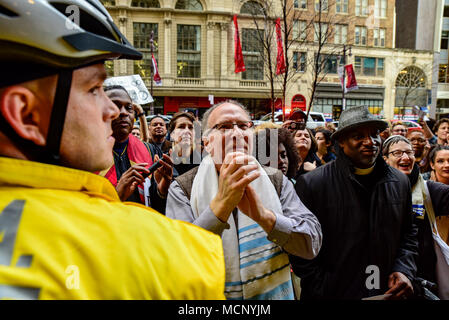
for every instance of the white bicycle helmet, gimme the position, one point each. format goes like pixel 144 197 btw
pixel 39 38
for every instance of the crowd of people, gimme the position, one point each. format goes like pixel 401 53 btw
pixel 94 206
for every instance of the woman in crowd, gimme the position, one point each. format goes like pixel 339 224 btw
pixel 421 148
pixel 136 131
pixel 441 129
pixel 287 154
pixel 398 153
pixel 185 154
pixel 324 142
pixel 439 162
pixel 306 145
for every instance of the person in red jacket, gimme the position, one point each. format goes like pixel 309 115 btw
pixel 132 157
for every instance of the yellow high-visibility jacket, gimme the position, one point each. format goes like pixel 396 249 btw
pixel 64 234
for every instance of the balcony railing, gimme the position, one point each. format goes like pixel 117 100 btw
pixel 189 82
pixel 253 84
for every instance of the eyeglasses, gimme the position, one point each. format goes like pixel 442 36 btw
pixel 242 125
pixel 418 140
pixel 399 153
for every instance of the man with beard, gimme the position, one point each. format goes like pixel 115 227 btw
pixel 365 209
pixel 132 157
pixel 158 136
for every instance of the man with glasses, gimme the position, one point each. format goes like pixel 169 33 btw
pixel 258 216
pixel 365 209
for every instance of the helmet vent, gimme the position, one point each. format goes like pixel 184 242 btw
pixel 87 22
pixel 6 12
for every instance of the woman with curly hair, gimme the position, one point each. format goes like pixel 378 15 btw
pixel 288 157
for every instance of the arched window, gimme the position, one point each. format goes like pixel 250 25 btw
pixel 252 8
pixel 192 5
pixel 411 77
pixel 411 89
pixel 145 3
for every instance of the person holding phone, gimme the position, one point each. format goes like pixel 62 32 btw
pixel 132 158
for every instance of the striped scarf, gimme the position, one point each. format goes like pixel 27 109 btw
pixel 256 268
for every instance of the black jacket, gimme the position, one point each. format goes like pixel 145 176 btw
pixel 360 228
pixel 439 194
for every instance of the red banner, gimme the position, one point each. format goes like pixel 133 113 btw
pixel 280 61
pixel 238 55
pixel 157 78
pixel 351 83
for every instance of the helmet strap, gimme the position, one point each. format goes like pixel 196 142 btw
pixel 59 110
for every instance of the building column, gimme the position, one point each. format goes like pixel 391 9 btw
pixel 167 45
pixel 122 27
pixel 210 48
pixel 224 49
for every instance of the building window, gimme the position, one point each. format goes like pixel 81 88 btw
pixel 252 50
pixel 192 5
pixel 444 40
pixel 341 6
pixel 446 12
pixel 300 4
pixel 321 4
pixel 299 61
pixel 324 35
pixel 145 3
pixel 328 63
pixel 142 35
pixel 341 32
pixel 360 36
pixel 380 8
pixel 443 74
pixel 189 51
pixel 367 66
pixel 299 31
pixel 109 66
pixel 253 8
pixel 361 7
pixel 379 37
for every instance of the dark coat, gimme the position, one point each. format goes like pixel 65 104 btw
pixel 360 228
pixel 426 262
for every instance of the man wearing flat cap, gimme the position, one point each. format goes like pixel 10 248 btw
pixel 365 210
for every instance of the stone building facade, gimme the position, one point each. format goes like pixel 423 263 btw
pixel 194 48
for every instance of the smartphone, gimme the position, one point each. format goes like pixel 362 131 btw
pixel 153 168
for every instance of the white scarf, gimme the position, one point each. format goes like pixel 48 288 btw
pixel 418 198
pixel 256 268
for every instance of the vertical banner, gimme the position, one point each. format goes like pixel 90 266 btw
pixel 157 78
pixel 280 61
pixel 341 75
pixel 238 55
pixel 351 83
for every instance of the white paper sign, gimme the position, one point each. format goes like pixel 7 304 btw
pixel 134 85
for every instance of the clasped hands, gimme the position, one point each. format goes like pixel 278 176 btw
pixel 235 175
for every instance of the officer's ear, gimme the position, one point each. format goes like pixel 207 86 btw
pixel 25 113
